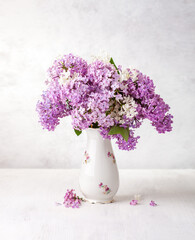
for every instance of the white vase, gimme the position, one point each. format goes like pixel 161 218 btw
pixel 99 178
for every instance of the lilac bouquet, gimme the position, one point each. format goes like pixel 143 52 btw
pixel 104 96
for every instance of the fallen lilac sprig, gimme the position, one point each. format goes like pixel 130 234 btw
pixel 71 199
pixel 133 202
pixel 152 203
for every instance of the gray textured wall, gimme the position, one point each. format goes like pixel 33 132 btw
pixel 154 36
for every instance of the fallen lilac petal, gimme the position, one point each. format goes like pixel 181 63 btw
pixel 133 202
pixel 152 203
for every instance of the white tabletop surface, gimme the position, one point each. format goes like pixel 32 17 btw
pixel 28 210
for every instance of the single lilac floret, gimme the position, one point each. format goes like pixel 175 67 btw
pixel 133 202
pixel 152 203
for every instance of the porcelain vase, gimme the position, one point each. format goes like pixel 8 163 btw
pixel 99 177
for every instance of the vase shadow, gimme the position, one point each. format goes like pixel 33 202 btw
pixel 177 195
pixel 123 198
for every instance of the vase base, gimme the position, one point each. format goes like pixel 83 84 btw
pixel 98 201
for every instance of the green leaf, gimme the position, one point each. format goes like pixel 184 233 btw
pixel 112 62
pixel 63 67
pixel 78 132
pixel 124 132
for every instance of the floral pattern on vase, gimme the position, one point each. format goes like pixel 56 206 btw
pixel 87 158
pixel 112 156
pixel 106 189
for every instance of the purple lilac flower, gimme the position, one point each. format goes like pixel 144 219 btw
pixel 52 107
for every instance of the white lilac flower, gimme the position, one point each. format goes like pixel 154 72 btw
pixel 134 74
pixel 129 73
pixel 124 75
pixel 115 114
pixel 102 56
pixel 128 108
pixel 137 197
pixel 66 77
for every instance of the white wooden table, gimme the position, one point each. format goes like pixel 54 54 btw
pixel 28 210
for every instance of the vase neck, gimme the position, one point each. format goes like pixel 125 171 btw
pixel 96 143
pixel 94 133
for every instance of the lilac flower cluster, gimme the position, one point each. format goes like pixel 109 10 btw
pixel 71 199
pixel 103 96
